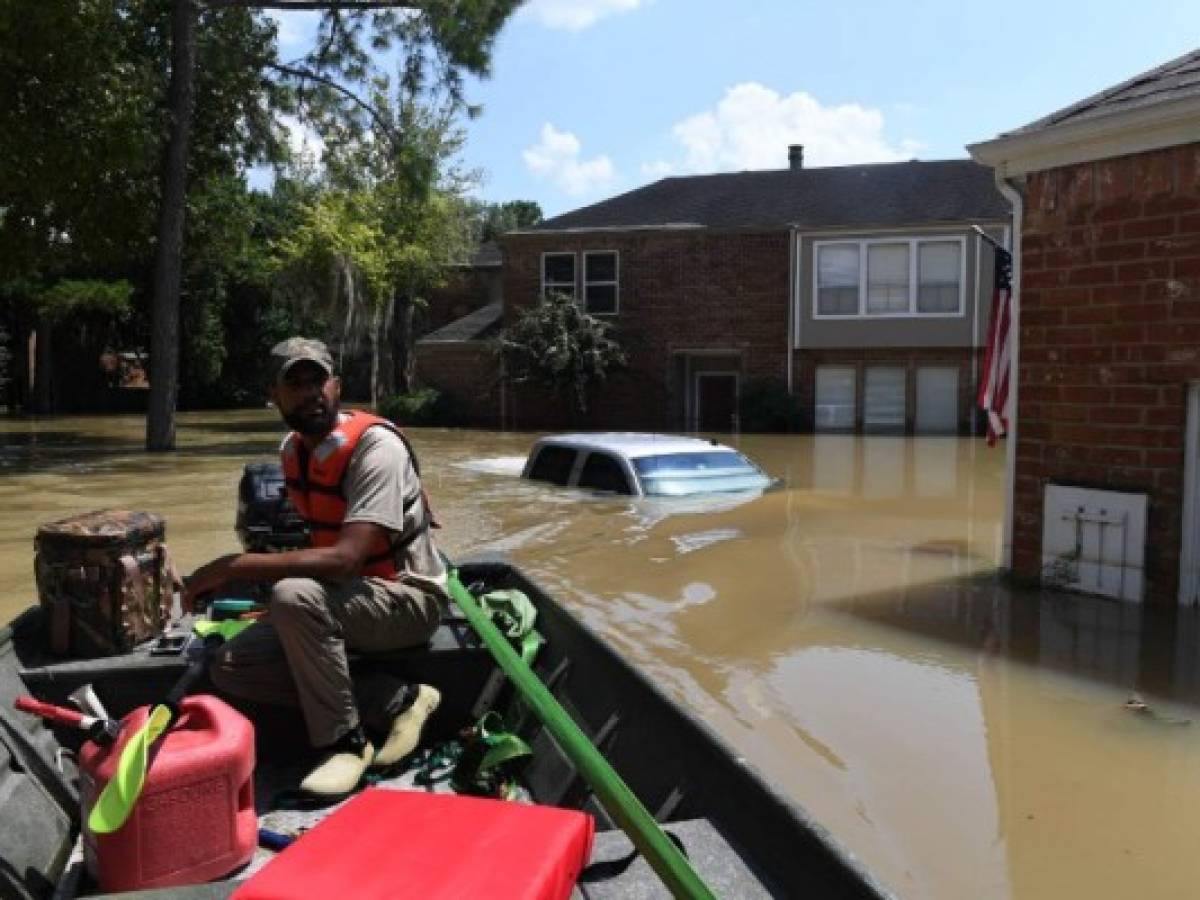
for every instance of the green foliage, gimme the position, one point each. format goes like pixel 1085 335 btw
pixel 495 219
pixel 558 346
pixel 231 312
pixel 380 232
pixel 72 297
pixel 766 405
pixel 83 121
pixel 422 407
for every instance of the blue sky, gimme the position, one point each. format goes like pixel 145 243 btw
pixel 590 98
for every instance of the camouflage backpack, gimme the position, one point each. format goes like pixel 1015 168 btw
pixel 105 581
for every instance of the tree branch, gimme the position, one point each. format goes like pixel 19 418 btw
pixel 311 4
pixel 329 82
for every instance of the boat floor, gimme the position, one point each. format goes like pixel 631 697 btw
pixel 615 871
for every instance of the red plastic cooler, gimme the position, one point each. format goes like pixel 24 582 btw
pixel 195 818
pixel 410 845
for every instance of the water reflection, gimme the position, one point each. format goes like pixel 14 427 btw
pixel 846 632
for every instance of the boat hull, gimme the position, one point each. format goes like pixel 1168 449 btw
pixel 746 838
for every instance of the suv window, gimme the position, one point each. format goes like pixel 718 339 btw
pixel 603 473
pixel 553 464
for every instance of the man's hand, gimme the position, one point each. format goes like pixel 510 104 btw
pixel 206 579
pixel 341 561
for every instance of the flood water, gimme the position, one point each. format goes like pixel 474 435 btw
pixel 846 633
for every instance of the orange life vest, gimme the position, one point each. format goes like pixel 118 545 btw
pixel 315 487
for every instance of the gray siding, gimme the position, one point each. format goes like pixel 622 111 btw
pixel 892 331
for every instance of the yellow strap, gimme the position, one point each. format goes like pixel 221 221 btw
pixel 115 802
pixel 226 628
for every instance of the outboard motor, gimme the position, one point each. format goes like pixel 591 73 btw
pixel 266 520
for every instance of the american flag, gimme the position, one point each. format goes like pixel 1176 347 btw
pixel 993 388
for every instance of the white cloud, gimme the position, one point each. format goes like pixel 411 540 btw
pixel 576 15
pixel 556 158
pixel 659 168
pixel 752 126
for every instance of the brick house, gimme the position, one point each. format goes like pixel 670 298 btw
pixel 468 286
pixel 859 289
pixel 1102 477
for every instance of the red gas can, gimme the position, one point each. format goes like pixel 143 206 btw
pixel 195 818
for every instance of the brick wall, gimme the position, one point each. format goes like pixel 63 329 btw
pixel 464 291
pixel 908 358
pixel 466 372
pixel 688 291
pixel 1110 338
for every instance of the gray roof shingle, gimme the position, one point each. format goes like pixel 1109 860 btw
pixel 1173 80
pixel 880 194
pixel 473 326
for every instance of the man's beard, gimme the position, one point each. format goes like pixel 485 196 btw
pixel 314 424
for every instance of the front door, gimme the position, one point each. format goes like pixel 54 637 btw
pixel 716 401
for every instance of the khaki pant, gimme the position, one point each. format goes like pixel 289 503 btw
pixel 296 654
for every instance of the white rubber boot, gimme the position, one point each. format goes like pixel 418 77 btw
pixel 405 733
pixel 339 773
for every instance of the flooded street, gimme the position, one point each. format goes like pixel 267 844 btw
pixel 845 632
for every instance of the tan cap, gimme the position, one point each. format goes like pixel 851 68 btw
pixel 287 353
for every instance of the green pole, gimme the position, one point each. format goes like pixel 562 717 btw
pixel 620 802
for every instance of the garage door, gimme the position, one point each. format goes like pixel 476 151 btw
pixel 835 398
pixel 937 400
pixel 883 399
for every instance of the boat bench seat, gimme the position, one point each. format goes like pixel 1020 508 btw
pixel 710 854
pixel 453 660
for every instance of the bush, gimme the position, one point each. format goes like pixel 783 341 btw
pixel 766 405
pixel 422 407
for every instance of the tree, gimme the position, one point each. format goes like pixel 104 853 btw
pixel 442 39
pixel 495 219
pixel 381 234
pixel 558 346
pixel 82 115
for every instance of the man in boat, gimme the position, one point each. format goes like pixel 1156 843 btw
pixel 372 580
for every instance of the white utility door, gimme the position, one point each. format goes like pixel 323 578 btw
pixel 1189 556
pixel 883 399
pixel 937 400
pixel 835 398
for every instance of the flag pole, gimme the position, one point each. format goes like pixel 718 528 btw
pixel 991 240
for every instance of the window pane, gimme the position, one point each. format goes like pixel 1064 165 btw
pixel 553 464
pixel 600 267
pixel 679 474
pixel 887 278
pixel 601 298
pixel 837 280
pixel 603 473
pixel 722 461
pixel 835 398
pixel 939 275
pixel 883 399
pixel 559 268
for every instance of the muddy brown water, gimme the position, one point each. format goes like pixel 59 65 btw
pixel 846 633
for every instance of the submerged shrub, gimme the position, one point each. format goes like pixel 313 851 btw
pixel 424 406
pixel 766 405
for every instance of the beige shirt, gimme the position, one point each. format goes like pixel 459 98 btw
pixel 379 478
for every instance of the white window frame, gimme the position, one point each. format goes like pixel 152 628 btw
pixel 914 244
pixel 616 282
pixel 559 285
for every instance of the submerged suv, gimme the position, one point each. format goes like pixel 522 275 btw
pixel 642 465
